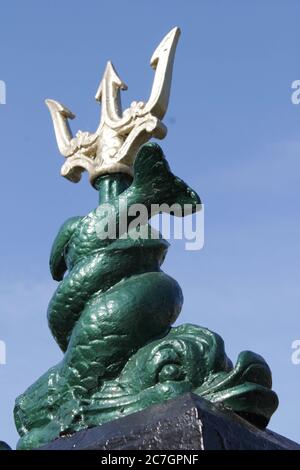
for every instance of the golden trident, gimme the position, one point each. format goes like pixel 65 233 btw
pixel 113 147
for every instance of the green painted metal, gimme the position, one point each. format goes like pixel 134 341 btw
pixel 111 315
pixel 4 446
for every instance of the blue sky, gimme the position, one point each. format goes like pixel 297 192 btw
pixel 234 136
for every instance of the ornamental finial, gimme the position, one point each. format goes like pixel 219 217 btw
pixel 113 147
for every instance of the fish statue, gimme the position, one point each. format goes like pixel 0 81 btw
pixel 113 310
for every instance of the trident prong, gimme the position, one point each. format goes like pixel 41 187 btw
pixel 108 94
pixel 60 115
pixel 114 144
pixel 162 62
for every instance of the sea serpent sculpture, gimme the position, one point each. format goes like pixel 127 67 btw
pixel 114 307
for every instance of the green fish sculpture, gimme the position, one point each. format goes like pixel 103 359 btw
pixel 112 316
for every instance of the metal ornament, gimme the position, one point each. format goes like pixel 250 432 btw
pixel 113 147
pixel 113 309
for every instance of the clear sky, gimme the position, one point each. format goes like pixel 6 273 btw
pixel 234 136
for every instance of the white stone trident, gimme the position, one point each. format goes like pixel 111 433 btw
pixel 113 147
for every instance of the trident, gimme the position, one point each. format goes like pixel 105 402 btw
pixel 113 146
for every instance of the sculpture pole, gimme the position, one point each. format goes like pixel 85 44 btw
pixel 113 309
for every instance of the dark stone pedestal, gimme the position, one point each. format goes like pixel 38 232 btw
pixel 184 423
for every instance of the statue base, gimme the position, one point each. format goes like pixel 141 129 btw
pixel 187 422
